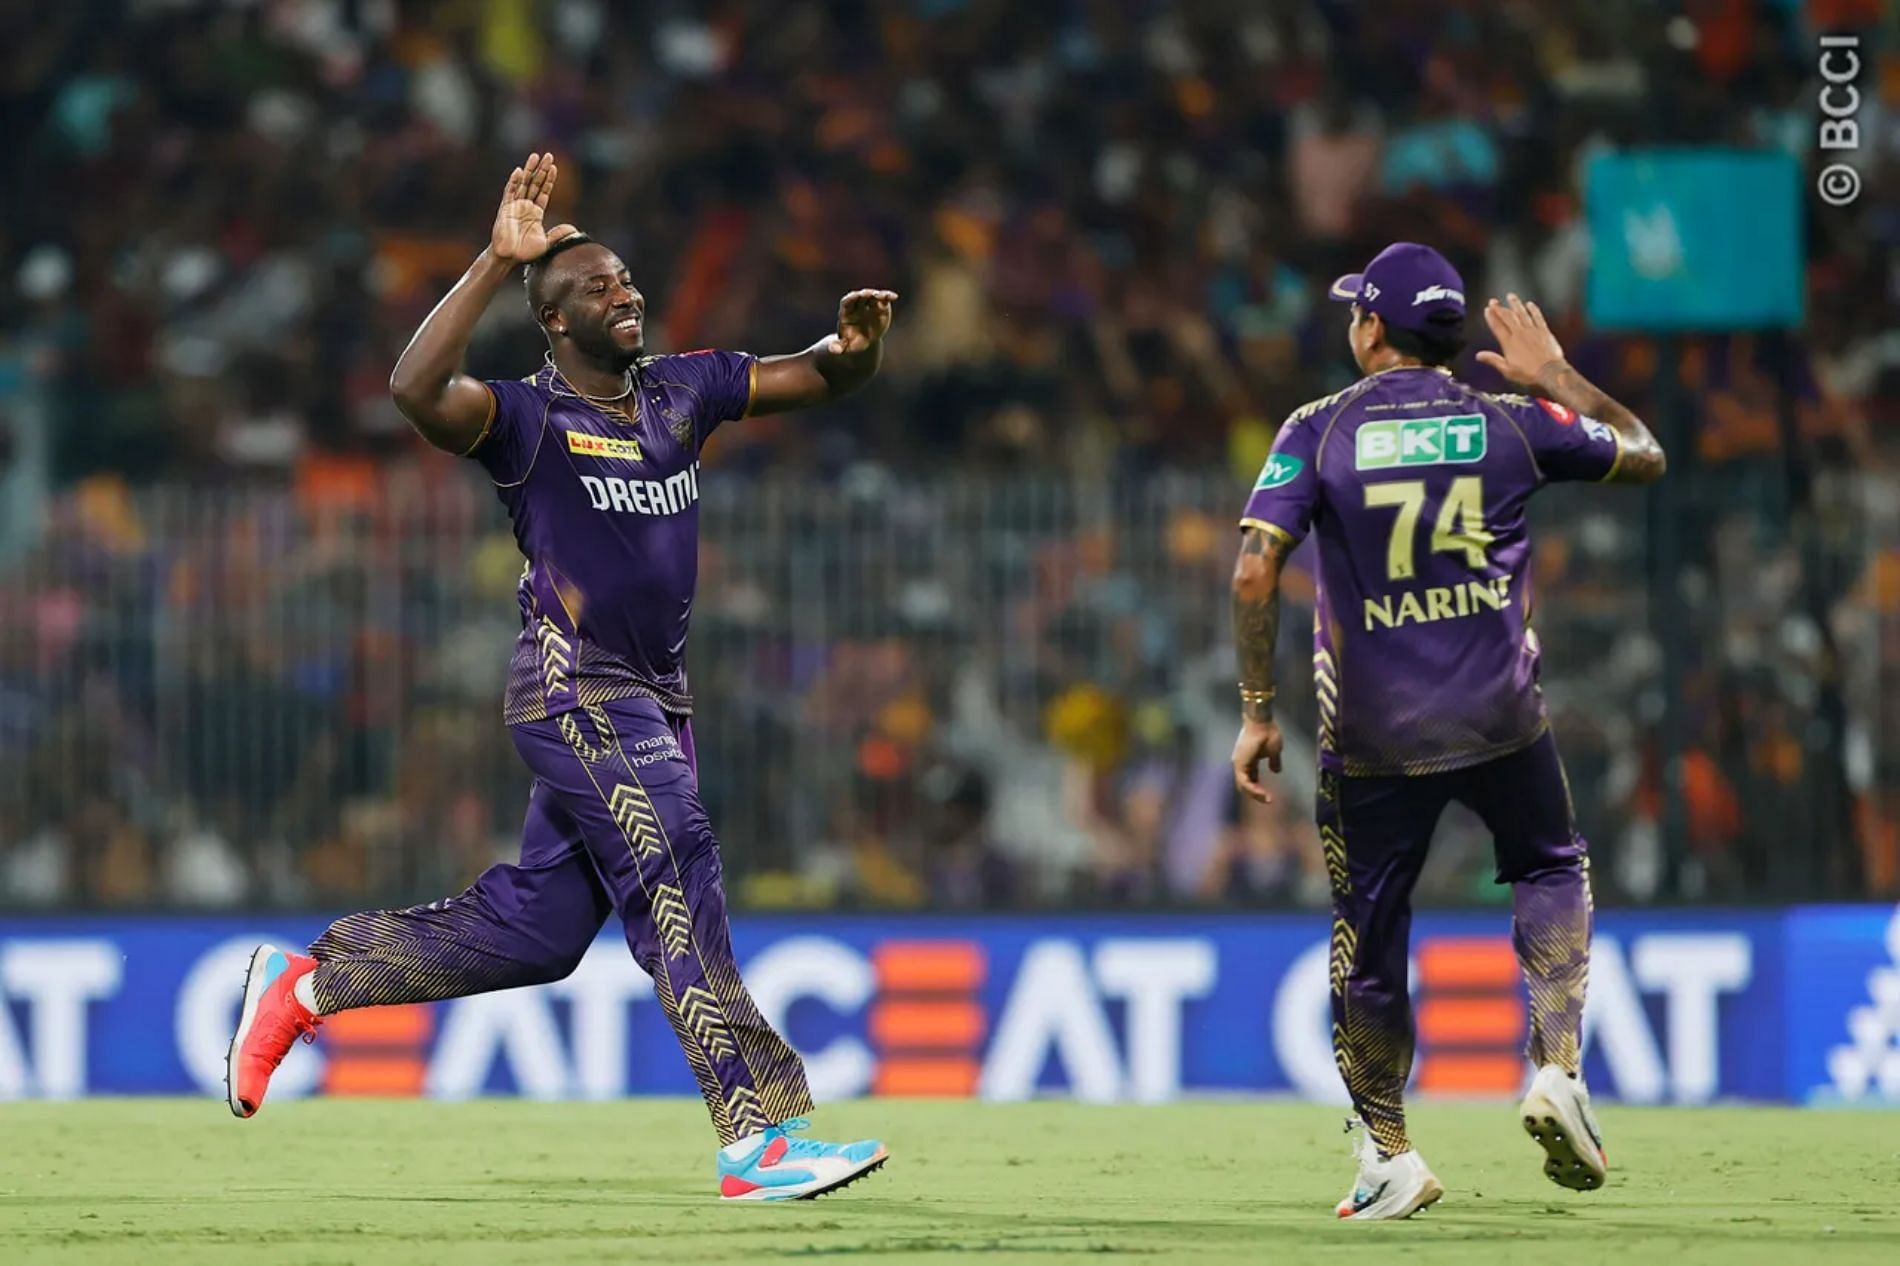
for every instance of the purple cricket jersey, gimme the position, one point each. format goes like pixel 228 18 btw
pixel 605 505
pixel 1423 652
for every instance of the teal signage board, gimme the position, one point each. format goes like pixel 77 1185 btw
pixel 1694 239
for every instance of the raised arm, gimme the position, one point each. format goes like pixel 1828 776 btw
pixel 833 367
pixel 1530 356
pixel 1263 551
pixel 448 407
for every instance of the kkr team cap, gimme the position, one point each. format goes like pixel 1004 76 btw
pixel 1411 286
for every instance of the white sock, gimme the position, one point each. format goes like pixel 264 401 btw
pixel 737 1150
pixel 303 993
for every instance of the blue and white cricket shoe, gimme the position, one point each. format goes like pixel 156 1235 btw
pixel 772 1165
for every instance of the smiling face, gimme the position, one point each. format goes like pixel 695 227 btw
pixel 587 297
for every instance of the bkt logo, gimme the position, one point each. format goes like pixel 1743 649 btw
pixel 1420 441
pixel 644 496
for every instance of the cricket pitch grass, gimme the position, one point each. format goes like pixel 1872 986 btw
pixel 505 1181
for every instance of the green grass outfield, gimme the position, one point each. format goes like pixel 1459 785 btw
pixel 140 1181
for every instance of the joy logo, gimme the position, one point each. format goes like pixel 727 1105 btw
pixel 1281 468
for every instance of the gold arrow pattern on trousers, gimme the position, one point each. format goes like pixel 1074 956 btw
pixel 742 1109
pixel 700 1010
pixel 673 919
pixel 633 813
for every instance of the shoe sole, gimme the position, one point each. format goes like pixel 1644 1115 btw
pixel 766 1195
pixel 1566 1162
pixel 871 1167
pixel 253 994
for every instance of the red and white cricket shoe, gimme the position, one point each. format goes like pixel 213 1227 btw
pixel 270 1023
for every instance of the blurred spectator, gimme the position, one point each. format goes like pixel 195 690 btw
pixel 960 640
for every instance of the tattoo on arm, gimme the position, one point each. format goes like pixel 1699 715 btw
pixel 1257 617
pixel 1642 460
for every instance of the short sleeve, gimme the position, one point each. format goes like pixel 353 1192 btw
pixel 1567 445
pixel 723 382
pixel 517 414
pixel 1286 495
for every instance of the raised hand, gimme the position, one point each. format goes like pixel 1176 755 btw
pixel 1525 343
pixel 519 234
pixel 863 317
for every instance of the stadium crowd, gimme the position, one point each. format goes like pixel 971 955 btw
pixel 960 639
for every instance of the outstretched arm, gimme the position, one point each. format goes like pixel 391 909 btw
pixel 1263 552
pixel 833 367
pixel 449 408
pixel 1530 356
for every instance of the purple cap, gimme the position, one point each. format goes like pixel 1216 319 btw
pixel 1407 284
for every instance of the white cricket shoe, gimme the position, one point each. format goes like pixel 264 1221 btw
pixel 1557 1114
pixel 1388 1187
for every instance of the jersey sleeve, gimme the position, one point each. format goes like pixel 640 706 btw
pixel 1286 495
pixel 1567 445
pixel 517 415
pixel 724 382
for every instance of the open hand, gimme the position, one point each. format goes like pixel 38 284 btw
pixel 863 317
pixel 519 234
pixel 1525 343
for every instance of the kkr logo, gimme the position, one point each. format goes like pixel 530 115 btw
pixel 1421 441
pixel 603 446
pixel 1280 469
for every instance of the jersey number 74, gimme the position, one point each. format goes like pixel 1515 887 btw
pixel 1459 527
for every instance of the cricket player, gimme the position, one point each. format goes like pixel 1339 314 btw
pixel 596 456
pixel 1427 673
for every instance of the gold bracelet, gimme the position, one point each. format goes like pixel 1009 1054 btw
pixel 1249 695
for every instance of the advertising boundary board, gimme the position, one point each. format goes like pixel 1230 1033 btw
pixel 1686 1006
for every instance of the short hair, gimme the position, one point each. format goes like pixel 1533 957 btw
pixel 1437 345
pixel 534 277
